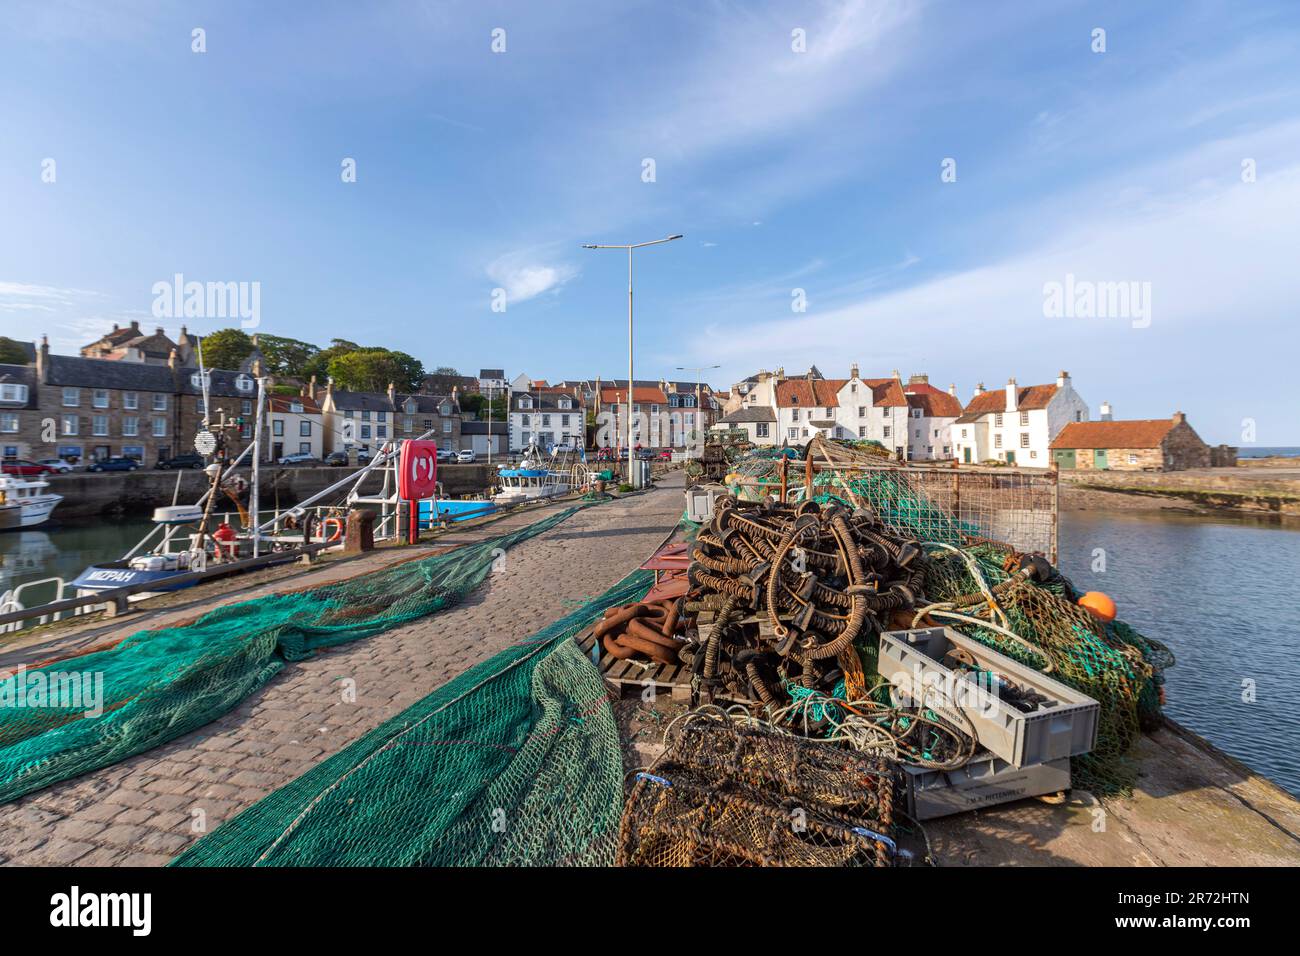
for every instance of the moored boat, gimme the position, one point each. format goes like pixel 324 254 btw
pixel 24 502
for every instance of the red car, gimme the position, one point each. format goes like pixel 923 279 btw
pixel 24 468
pixel 666 455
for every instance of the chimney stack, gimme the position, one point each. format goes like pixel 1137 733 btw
pixel 1062 379
pixel 952 389
pixel 1179 418
pixel 1011 395
pixel 1106 415
pixel 135 325
pixel 392 394
pixel 979 389
pixel 853 370
pixel 43 361
pixel 921 379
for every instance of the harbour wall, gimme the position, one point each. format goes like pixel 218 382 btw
pixel 87 495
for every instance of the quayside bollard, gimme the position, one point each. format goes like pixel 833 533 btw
pixel 360 533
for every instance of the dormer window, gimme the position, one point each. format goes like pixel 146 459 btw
pixel 13 393
pixel 244 383
pixel 409 406
pixel 525 403
pixel 199 380
pixel 565 403
pixel 295 408
pixel 444 409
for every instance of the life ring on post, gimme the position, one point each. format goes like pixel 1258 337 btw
pixel 338 530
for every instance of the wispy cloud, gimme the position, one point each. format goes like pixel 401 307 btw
pixel 523 277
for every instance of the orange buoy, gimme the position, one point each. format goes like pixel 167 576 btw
pixel 1100 605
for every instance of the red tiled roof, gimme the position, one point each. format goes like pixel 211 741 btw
pixel 809 393
pixel 1142 433
pixel 934 403
pixel 280 403
pixel 886 392
pixel 641 395
pixel 1028 398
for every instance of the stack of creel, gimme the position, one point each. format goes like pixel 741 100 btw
pixel 727 794
pixel 782 593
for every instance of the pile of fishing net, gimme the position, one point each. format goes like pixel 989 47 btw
pixel 732 794
pixel 160 684
pixel 516 762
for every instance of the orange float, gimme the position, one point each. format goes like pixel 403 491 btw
pixel 1099 605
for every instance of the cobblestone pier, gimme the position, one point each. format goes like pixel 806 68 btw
pixel 147 809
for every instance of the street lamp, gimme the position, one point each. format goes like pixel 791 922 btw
pixel 630 387
pixel 697 369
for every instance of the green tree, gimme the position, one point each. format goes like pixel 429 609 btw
pixel 371 370
pixel 226 348
pixel 286 356
pixel 319 363
pixel 11 352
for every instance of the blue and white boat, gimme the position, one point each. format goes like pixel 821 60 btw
pixel 530 480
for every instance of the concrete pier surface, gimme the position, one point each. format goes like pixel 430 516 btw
pixel 141 811
pixel 1193 805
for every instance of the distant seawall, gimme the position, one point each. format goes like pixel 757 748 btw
pixel 87 495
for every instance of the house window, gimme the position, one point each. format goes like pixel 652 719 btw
pixel 246 407
pixel 446 428
pixel 997 441
pixel 523 420
pixel 1024 418
pixel 862 411
pixel 71 397
pixel 916 413
pixel 347 413
pixel 408 423
pixel 130 426
pixel 886 431
pixel 295 408
pixel 862 431
pixel 277 427
pixel 160 403
pixel 99 425
pixel 100 398
pixel 1078 416
pixel 8 422
pixel 159 427
pixel 794 433
pixel 365 431
pixel 830 412
pixel 1132 459
pixel 963 433
pixel 997 420
pixel 760 430
pixel 383 416
pixel 381 431
pixel 365 415
pixel 304 429
pixel 304 448
pixel 244 383
pixel 70 424
pixel 564 421
pixel 546 421
pixel 133 451
pixel 13 393
pixel 794 414
pixel 245 431
pixel 525 403
pixel 1024 439
pixel 130 401
pixel 200 406
pixel 428 423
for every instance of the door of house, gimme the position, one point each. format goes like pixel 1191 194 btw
pixel 1011 458
pixel 1099 460
pixel 277 450
pixel 1065 458
pixel 966 455
pixel 102 452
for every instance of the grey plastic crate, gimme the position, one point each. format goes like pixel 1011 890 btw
pixel 699 502
pixel 1066 726
pixel 984 782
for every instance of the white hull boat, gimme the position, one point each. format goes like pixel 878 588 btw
pixel 25 503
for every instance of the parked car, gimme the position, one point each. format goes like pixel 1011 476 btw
pixel 56 464
pixel 562 447
pixel 186 460
pixel 446 454
pixel 666 455
pixel 115 464
pixel 25 468
pixel 466 456
pixel 336 458
pixel 302 458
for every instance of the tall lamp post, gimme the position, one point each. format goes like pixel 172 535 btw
pixel 698 370
pixel 630 388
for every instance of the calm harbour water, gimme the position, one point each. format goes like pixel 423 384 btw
pixel 1221 593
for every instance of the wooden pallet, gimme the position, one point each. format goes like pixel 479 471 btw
pixel 633 677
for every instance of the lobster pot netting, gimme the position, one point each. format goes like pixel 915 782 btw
pixel 736 795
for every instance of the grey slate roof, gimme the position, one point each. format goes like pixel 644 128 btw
pixel 481 428
pixel 758 413
pixel 221 383
pixel 545 402
pixel 70 370
pixel 361 401
pixel 424 404
pixel 491 373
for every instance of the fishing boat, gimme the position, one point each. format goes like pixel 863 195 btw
pixel 533 478
pixel 24 503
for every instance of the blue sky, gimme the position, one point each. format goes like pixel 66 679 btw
pixel 817 170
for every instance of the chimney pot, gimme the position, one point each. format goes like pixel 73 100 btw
pixel 1012 404
pixel 952 389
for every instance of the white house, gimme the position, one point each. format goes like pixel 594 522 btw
pixel 759 422
pixel 294 426
pixel 492 381
pixel 547 417
pixel 930 417
pixel 1016 424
